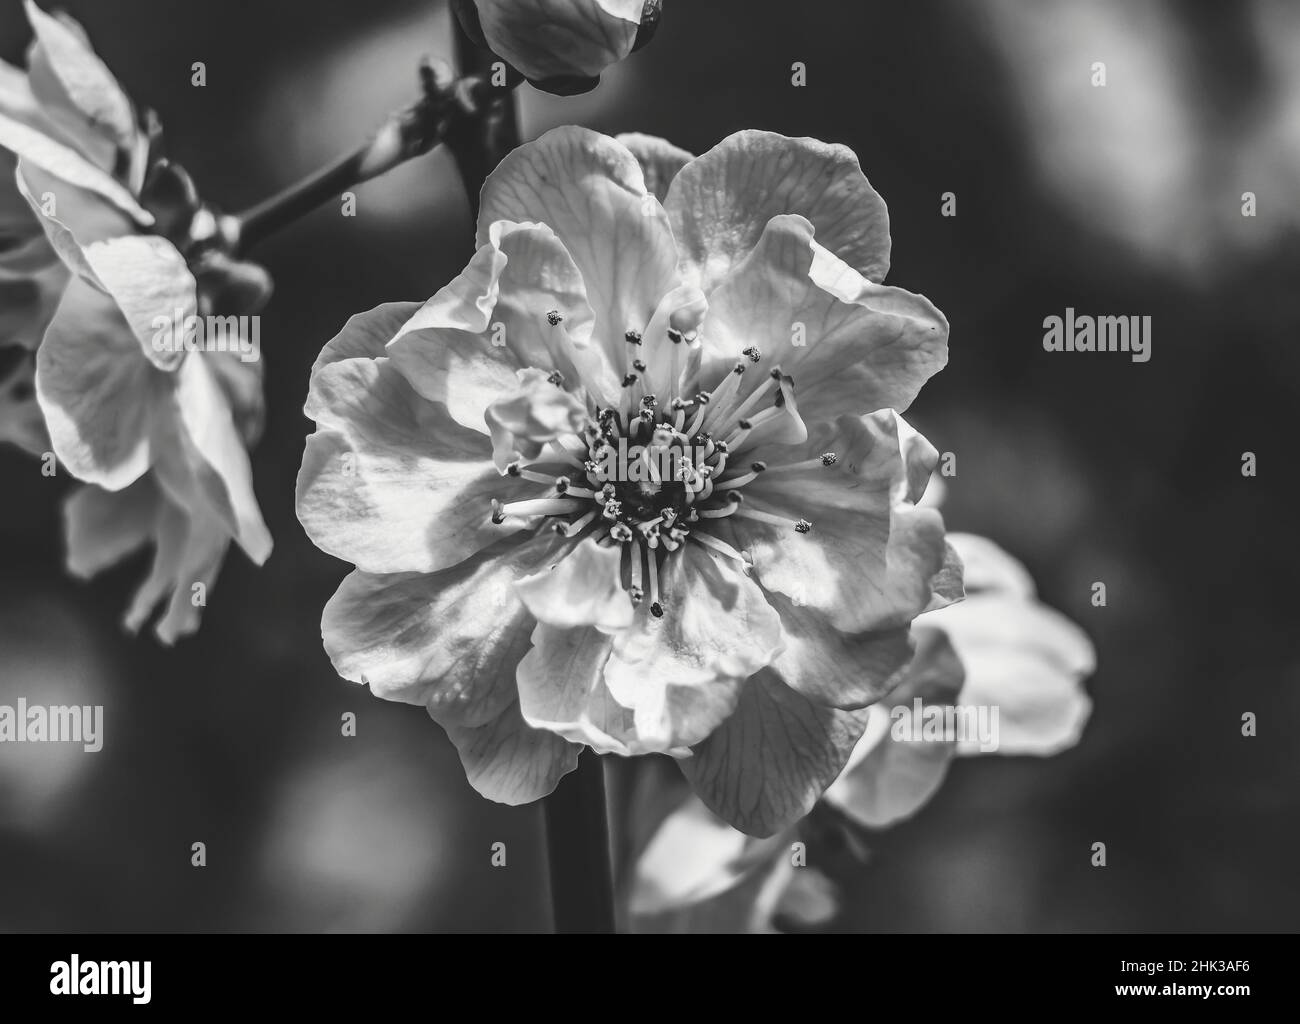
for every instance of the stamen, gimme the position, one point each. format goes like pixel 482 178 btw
pixel 652 565
pixel 720 546
pixel 555 318
pixel 578 525
pixel 635 590
pixel 754 469
pixel 824 461
pixel 536 507
pixel 800 525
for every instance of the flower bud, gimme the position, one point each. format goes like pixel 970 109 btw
pixel 560 46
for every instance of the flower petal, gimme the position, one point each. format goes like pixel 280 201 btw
pixel 390 482
pixel 149 280
pixel 835 669
pixel 867 562
pixel 511 763
pixel 896 777
pixel 681 673
pixel 219 460
pixel 547 40
pixel 720 203
pixel 78 91
pixel 693 857
pixel 366 335
pixel 561 690
pixel 537 411
pixel 769 762
pixel 589 190
pixel 660 160
pixel 100 396
pixel 71 169
pixel 852 349
pixel 103 527
pixel 1028 662
pixel 448 640
pixel 582 589
pixel 520 303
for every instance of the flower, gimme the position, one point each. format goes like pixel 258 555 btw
pixel 740 612
pixel 999 648
pixel 561 46
pixel 115 239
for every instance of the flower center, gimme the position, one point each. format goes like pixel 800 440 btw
pixel 652 475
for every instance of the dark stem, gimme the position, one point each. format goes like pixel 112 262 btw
pixel 448 109
pixel 577 846
pixel 478 144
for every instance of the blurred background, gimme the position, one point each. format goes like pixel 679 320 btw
pixel 1118 200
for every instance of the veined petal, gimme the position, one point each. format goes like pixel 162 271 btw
pixel 531 415
pixel 561 690
pixel 365 335
pixel 839 670
pixel 868 560
pixel 769 762
pixel 510 762
pixel 100 396
pixel 865 348
pixel 520 303
pixel 582 589
pixel 681 673
pixel 720 203
pixel 448 640
pixel 590 191
pixel 149 280
pixel 547 40
pixel 660 160
pixel 899 773
pixel 390 482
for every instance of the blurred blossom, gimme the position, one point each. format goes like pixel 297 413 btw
pixel 538 595
pixel 999 648
pixel 357 843
pixel 561 46
pixel 1140 158
pixel 36 779
pixel 160 432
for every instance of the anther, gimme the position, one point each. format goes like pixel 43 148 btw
pixel 556 378
pixel 554 318
pixel 802 526
pixel 829 458
pixel 657 610
pixel 638 365
pixel 632 337
pixel 675 336
pixel 629 380
pixel 753 353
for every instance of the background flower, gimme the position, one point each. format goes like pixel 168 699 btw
pixel 999 648
pixel 112 239
pixel 561 46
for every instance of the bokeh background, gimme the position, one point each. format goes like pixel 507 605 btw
pixel 1117 200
